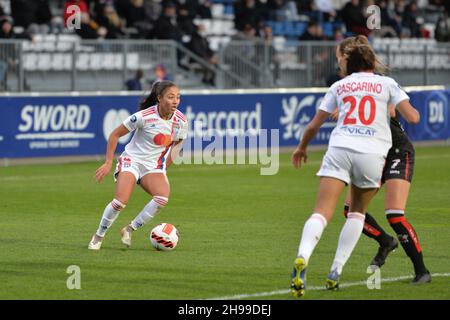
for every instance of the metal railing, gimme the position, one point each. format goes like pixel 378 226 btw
pixel 74 65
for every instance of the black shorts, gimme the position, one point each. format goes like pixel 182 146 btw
pixel 399 165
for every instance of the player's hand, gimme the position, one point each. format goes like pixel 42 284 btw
pixel 297 156
pixel 102 171
pixel 335 115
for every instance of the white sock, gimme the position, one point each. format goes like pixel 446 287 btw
pixel 350 233
pixel 312 231
pixel 149 211
pixel 110 214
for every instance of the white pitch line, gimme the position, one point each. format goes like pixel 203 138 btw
pixel 342 285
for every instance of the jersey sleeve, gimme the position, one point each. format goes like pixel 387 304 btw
pixel 183 131
pixel 134 121
pixel 328 103
pixel 397 94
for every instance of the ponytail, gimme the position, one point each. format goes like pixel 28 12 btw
pixel 158 89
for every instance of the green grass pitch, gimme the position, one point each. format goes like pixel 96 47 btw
pixel 239 234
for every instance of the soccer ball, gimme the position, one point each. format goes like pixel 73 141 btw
pixel 164 237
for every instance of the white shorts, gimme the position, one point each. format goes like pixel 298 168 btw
pixel 364 170
pixel 126 163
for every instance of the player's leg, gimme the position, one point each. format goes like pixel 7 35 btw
pixel 327 197
pixel 124 187
pixel 397 191
pixel 335 175
pixel 365 174
pixel 350 233
pixel 373 230
pixel 157 185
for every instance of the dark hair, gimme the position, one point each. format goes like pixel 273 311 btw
pixel 158 89
pixel 360 54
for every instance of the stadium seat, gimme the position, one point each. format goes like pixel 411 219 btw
pixel 300 27
pixel 278 28
pixel 96 61
pixel 30 61
pixel 61 61
pixel 328 29
pixel 218 10
pixel 229 11
pixel 133 61
pixel 82 62
pixel 44 61
pixel 278 43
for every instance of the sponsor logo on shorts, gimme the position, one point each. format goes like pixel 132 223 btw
pixel 394 172
pixel 126 162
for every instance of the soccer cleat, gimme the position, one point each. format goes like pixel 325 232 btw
pixel 333 280
pixel 125 233
pixel 422 278
pixel 383 252
pixel 95 243
pixel 298 283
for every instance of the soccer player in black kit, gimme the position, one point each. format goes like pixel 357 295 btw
pixel 397 177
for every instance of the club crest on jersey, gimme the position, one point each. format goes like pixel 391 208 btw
pixel 133 119
pixel 358 131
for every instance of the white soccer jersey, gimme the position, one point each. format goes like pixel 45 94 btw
pixel 154 136
pixel 363 99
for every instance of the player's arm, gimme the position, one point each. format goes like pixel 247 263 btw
pixel 400 99
pixel 174 152
pixel 408 112
pixel 310 132
pixel 113 139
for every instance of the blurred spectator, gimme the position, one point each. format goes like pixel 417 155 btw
pixel 267 51
pixel 200 46
pixel 314 32
pixel 6 52
pixel 137 17
pixel 89 29
pixel 24 12
pixel 166 27
pixel 31 12
pixel 442 31
pixel 326 9
pixel 43 12
pixel 354 19
pixel 6 31
pixel 186 12
pixel 409 20
pixel 109 19
pixel 245 51
pixel 135 84
pixel 251 12
pixel 338 35
pixel 159 73
pixel 390 22
pixel 282 10
pixel 305 5
pixel 204 9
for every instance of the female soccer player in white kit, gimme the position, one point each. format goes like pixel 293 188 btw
pixel 159 128
pixel 356 154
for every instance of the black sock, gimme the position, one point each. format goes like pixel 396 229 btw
pixel 409 240
pixel 372 229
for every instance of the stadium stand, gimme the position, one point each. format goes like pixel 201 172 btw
pixel 288 37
